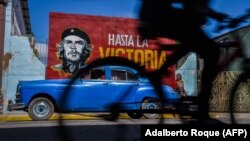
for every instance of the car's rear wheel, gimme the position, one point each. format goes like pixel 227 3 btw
pixel 151 104
pixel 135 115
pixel 40 109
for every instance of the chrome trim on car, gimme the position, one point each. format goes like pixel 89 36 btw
pixel 16 106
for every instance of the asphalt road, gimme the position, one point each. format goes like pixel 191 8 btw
pixel 72 133
pixel 73 130
pixel 93 130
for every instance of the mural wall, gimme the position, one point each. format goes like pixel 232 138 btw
pixel 75 37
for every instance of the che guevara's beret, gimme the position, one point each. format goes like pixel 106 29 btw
pixel 76 32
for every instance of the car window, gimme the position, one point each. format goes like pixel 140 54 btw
pixel 94 74
pixel 86 75
pixel 123 75
pixel 97 74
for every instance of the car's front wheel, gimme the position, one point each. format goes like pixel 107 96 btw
pixel 151 104
pixel 40 109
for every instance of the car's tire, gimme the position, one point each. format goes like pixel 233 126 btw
pixel 151 104
pixel 40 109
pixel 134 115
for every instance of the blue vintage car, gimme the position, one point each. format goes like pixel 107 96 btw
pixel 95 91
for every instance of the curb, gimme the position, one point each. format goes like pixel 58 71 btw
pixel 87 116
pixel 75 116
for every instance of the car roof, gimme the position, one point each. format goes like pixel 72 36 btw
pixel 115 67
pixel 123 67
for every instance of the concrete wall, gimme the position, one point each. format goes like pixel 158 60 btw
pixel 226 79
pixel 19 61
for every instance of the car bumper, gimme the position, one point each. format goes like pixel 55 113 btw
pixel 15 106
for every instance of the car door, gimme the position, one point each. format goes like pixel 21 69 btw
pixel 124 84
pixel 93 94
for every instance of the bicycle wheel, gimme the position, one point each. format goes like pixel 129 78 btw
pixel 238 100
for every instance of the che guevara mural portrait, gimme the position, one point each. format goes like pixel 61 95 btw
pixel 73 50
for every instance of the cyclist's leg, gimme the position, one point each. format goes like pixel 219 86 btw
pixel 210 53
